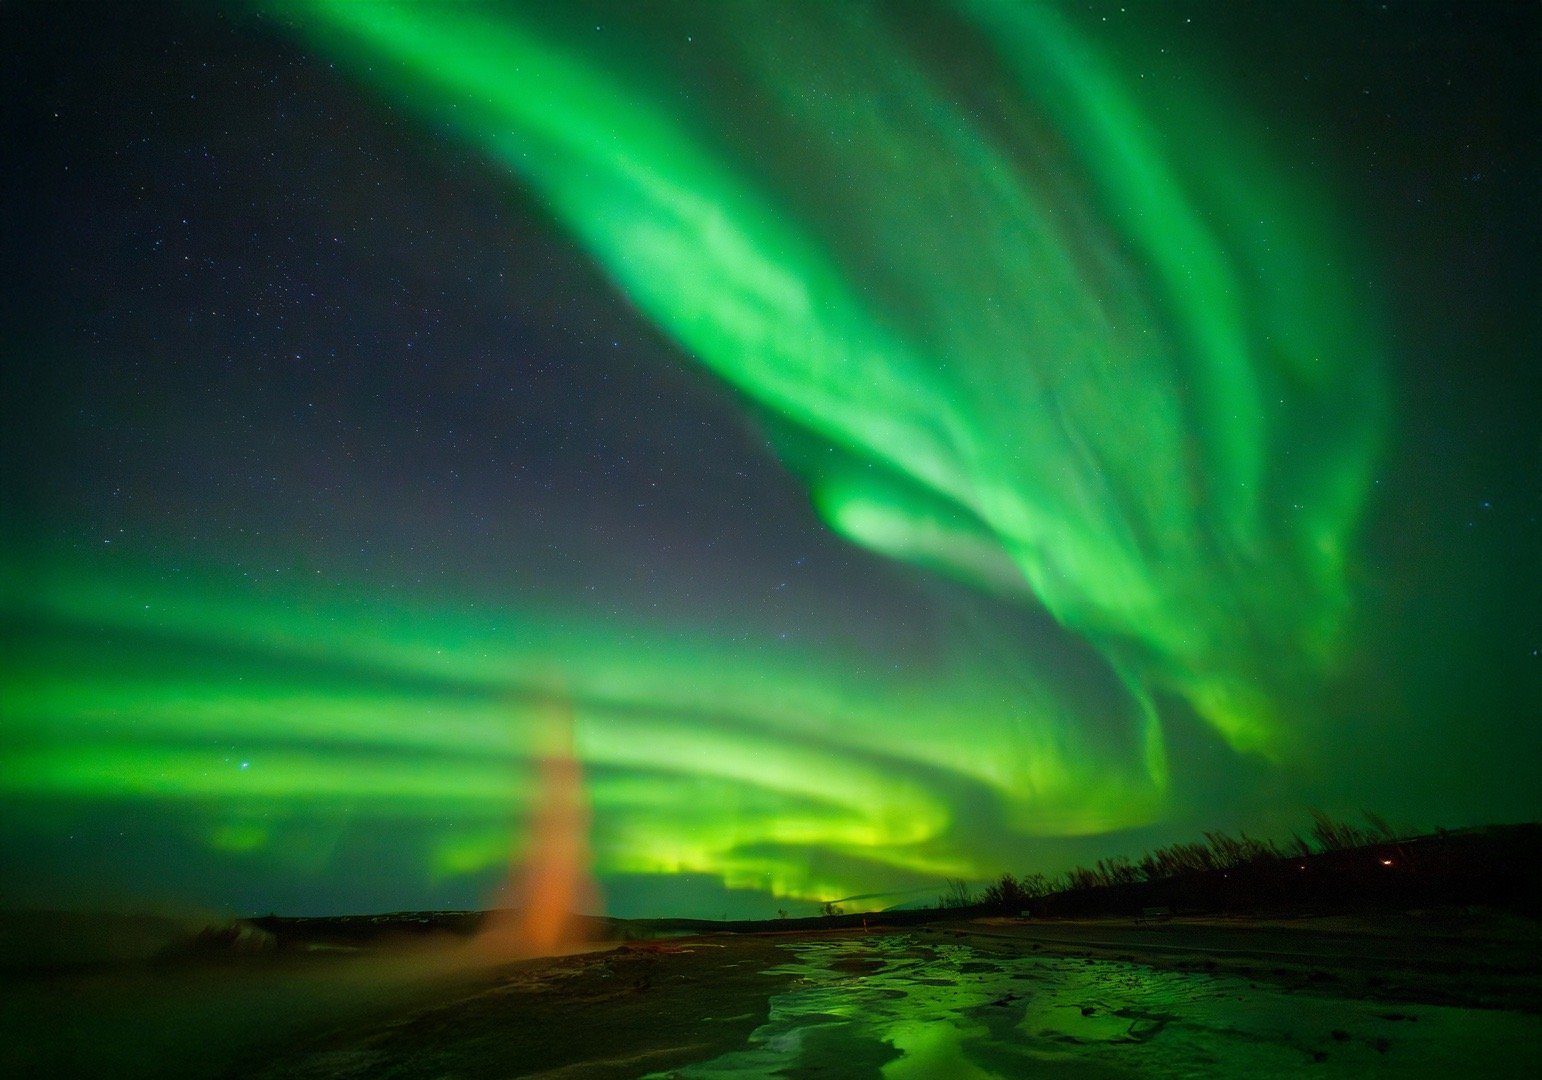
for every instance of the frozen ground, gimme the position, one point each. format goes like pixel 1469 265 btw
pixel 898 1007
pixel 971 999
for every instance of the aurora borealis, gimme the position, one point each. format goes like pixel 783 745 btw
pixel 909 442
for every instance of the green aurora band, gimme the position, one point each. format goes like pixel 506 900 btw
pixel 1050 328
pixel 700 757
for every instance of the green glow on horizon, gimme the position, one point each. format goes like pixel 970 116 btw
pixel 703 755
pixel 1094 352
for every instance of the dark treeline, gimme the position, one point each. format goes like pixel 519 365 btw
pixel 1339 866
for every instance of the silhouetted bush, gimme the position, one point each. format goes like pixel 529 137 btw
pixel 1336 835
pixel 1005 895
pixel 957 895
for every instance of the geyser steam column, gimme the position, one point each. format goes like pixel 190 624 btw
pixel 550 882
pixel 1063 329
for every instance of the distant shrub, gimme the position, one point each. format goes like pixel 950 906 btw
pixel 1337 835
pixel 956 895
pixel 1008 895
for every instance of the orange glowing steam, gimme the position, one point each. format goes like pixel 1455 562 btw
pixel 550 885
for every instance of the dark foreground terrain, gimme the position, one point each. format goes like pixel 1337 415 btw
pixel 1454 994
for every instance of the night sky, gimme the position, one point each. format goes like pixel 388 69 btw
pixel 908 441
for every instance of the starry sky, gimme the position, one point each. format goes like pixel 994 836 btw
pixel 903 442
